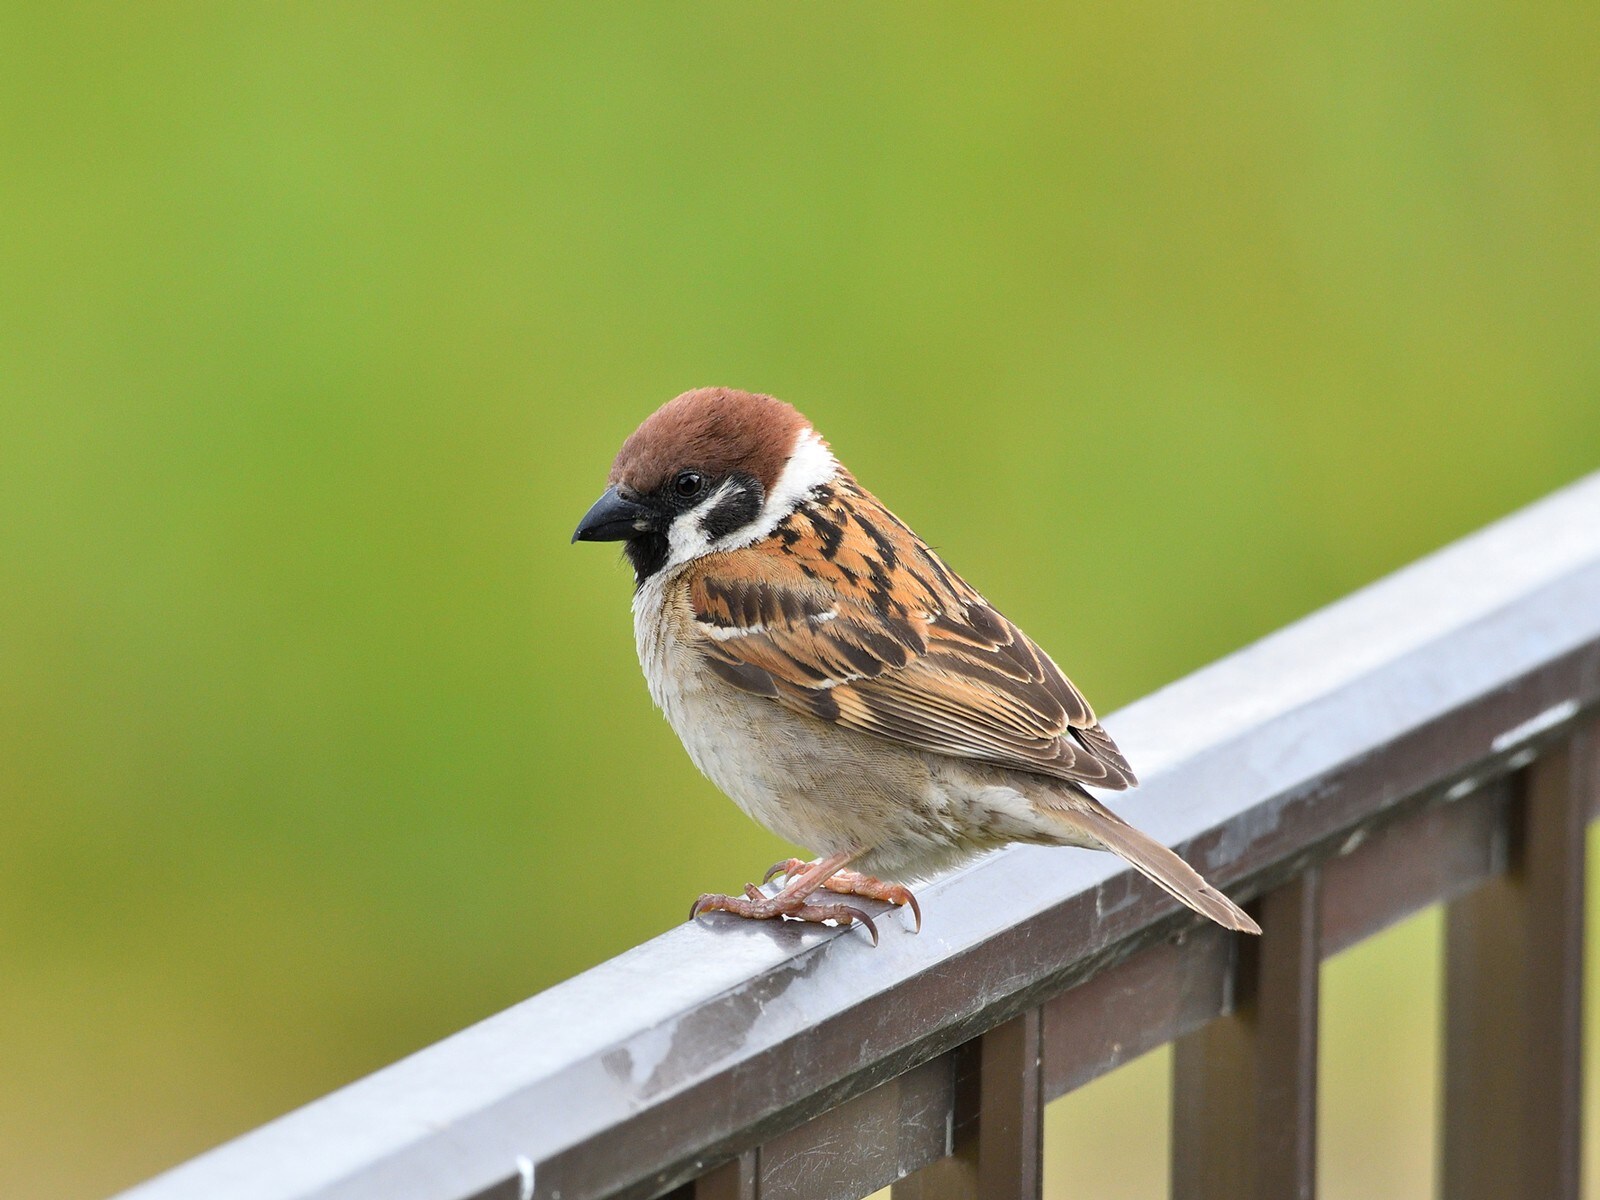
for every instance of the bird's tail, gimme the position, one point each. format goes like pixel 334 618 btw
pixel 1149 857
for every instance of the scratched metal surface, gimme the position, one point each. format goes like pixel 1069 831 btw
pixel 634 1075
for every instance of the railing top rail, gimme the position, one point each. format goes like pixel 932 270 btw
pixel 620 1080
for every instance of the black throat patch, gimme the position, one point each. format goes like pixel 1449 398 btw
pixel 648 554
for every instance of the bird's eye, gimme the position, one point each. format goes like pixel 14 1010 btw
pixel 689 484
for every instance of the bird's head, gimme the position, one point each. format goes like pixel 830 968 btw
pixel 712 470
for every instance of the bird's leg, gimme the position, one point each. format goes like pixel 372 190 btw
pixel 793 901
pixel 854 883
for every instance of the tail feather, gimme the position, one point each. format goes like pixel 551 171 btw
pixel 1152 860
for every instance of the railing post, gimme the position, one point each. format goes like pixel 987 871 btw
pixel 999 1151
pixel 1011 1110
pixel 1513 997
pixel 736 1180
pixel 1244 1093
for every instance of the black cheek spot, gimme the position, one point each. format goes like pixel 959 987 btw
pixel 733 512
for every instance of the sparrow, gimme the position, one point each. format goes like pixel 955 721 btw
pixel 842 685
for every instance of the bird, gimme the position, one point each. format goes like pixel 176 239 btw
pixel 850 692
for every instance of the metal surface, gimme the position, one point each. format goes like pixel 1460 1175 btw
pixel 954 1175
pixel 1438 854
pixel 736 1179
pixel 1513 992
pixel 654 1068
pixel 1244 1088
pixel 1010 1133
pixel 1154 997
pixel 868 1142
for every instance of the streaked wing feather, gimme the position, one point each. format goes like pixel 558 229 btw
pixel 844 614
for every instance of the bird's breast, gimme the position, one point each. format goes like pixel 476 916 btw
pixel 811 782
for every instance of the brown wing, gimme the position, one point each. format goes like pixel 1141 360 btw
pixel 845 615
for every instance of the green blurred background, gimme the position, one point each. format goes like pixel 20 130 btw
pixel 319 324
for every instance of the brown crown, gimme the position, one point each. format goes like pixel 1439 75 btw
pixel 712 430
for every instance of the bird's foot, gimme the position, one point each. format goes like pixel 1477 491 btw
pixel 754 905
pixel 854 883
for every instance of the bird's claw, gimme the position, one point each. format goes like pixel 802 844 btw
pixel 788 866
pixel 910 901
pixel 845 914
pixel 756 906
pixel 853 883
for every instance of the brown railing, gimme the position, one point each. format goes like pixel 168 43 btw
pixel 1434 738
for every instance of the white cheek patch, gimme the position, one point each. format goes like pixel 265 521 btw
pixel 810 465
pixel 686 536
pixel 686 540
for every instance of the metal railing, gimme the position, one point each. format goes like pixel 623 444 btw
pixel 1430 739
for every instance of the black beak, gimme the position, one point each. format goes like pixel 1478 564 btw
pixel 615 518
